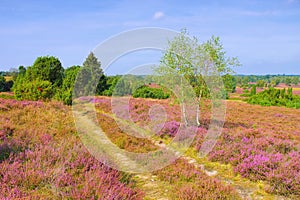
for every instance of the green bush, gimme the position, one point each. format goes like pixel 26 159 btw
pixel 276 97
pixel 34 90
pixel 39 81
pixel 246 93
pixel 65 93
pixel 147 92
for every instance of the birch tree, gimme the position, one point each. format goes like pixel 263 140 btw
pixel 197 63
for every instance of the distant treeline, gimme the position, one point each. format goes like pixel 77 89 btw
pixel 47 79
pixel 266 80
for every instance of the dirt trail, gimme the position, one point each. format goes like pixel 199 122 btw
pixel 154 188
pixel 91 135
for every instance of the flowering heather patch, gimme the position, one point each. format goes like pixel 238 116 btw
pixel 7 104
pixel 170 129
pixel 38 141
pixel 261 144
pixel 257 141
pixel 259 89
pixel 139 109
pixel 239 90
pixel 42 158
pixel 55 171
pixel 102 103
pixel 283 85
pixel 72 174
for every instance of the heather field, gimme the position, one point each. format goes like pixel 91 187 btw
pixel 42 157
pixel 164 100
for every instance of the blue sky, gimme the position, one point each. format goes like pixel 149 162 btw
pixel 264 35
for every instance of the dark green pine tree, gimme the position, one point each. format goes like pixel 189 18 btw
pixel 88 77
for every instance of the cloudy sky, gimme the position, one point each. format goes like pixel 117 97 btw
pixel 264 35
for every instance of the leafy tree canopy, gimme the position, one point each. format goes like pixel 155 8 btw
pixel 47 68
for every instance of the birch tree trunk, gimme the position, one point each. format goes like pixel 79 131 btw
pixel 183 104
pixel 198 109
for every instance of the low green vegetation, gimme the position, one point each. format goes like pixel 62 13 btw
pixel 39 81
pixel 276 97
pixel 148 92
pixel 65 92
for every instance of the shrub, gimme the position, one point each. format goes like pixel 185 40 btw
pixel 65 93
pixel 147 92
pixel 33 90
pixel 276 97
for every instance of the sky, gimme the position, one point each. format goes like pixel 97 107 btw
pixel 263 35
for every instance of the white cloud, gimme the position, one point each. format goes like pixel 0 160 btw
pixel 158 15
pixel 292 1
